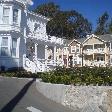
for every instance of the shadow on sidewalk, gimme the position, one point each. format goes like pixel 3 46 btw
pixel 10 106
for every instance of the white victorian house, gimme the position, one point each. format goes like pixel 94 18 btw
pixel 23 38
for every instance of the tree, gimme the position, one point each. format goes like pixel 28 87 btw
pixel 102 24
pixel 69 24
pixel 48 10
pixel 110 27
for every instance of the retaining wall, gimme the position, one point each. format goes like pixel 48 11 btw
pixel 79 98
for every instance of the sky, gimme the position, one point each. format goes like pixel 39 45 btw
pixel 90 9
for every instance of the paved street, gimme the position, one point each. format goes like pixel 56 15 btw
pixel 20 95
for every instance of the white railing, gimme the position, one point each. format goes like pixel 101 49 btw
pixel 33 66
pixel 40 65
pixel 99 50
pixel 44 37
pixel 88 51
pixel 91 51
pixel 21 1
pixel 94 63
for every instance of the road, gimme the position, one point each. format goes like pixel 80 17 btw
pixel 21 95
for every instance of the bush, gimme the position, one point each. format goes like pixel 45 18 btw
pixel 79 76
pixel 20 73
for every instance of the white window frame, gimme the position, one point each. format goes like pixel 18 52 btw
pixel 100 58
pixel 8 46
pixel 13 47
pixel 17 21
pixel 78 47
pixel 73 48
pixel 6 7
pixel 111 60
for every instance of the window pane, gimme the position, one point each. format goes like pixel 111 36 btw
pixel 6 19
pixel 102 59
pixel 14 45
pixel 4 51
pixel 5 41
pixel 15 15
pixel 6 11
pixel 13 51
pixel 73 49
pixel 77 50
pixel 97 58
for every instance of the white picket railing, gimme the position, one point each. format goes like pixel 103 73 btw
pixel 40 65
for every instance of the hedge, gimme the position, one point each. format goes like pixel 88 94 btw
pixel 79 76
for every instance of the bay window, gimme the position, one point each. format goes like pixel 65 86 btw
pixel 14 46
pixel 6 11
pixel 4 46
pixel 15 16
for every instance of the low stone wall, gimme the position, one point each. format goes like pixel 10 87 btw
pixel 79 98
pixel 55 92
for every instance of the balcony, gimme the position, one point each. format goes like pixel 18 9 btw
pixel 99 50
pixel 91 51
pixel 46 38
pixel 94 63
pixel 88 51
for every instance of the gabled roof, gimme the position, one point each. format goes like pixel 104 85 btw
pixel 73 41
pixel 67 42
pixel 106 37
pixel 90 36
pixel 81 40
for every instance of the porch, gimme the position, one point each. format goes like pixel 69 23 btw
pixel 95 60
pixel 40 57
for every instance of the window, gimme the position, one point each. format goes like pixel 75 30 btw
pixel 75 61
pixel 111 60
pixel 73 49
pixel 6 15
pixel 4 46
pixel 100 58
pixel 15 16
pixel 97 58
pixel 14 46
pixel 77 49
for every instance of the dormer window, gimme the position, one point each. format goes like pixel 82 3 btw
pixel 15 16
pixel 6 11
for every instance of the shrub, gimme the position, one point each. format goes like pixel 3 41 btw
pixel 79 76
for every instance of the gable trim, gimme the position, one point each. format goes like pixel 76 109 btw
pixel 88 37
pixel 73 41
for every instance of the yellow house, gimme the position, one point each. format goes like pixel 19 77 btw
pixel 96 50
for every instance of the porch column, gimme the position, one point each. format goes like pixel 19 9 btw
pixel 54 53
pixel 105 53
pixel 67 59
pixel 36 51
pixel 62 55
pixel 110 46
pixel 46 56
pixel 73 60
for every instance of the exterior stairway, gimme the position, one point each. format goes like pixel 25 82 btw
pixel 34 66
pixel 40 65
